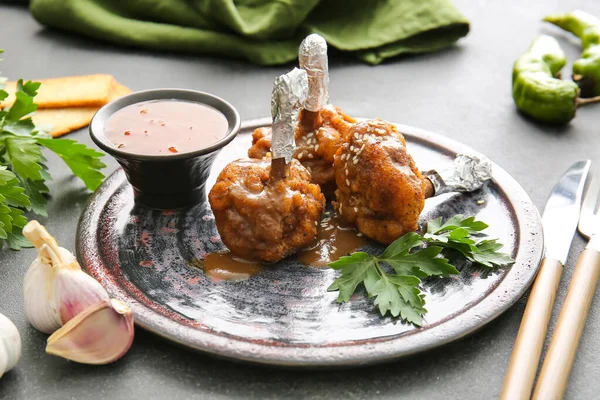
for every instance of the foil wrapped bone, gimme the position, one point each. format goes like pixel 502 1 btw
pixel 312 56
pixel 468 172
pixel 287 99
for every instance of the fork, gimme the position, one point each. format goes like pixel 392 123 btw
pixel 556 368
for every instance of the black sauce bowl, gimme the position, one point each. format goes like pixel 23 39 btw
pixel 169 181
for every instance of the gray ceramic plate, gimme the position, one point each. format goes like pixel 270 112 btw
pixel 284 315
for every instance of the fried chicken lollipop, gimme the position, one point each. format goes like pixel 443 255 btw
pixel 265 219
pixel 321 128
pixel 318 136
pixel 267 209
pixel 380 189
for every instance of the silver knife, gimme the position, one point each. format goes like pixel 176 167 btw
pixel 559 222
pixel 556 369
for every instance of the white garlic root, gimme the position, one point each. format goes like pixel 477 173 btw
pixel 99 335
pixel 62 300
pixel 10 345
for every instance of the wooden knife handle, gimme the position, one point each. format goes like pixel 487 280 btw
pixel 525 358
pixel 565 340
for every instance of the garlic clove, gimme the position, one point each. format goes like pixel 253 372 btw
pixel 10 345
pixel 75 291
pixel 99 335
pixel 38 289
pixel 55 287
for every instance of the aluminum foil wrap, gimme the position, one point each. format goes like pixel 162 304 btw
pixel 287 99
pixel 313 59
pixel 468 173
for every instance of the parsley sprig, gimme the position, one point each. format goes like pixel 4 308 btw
pixel 393 278
pixel 23 170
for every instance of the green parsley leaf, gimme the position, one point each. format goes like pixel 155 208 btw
pixel 23 172
pixel 402 245
pixel 488 255
pixel 16 240
pixel 24 155
pixel 36 191
pixel 12 192
pixel 456 233
pixel 83 161
pixel 22 127
pixel 422 263
pixel 393 278
pixel 412 309
pixel 354 271
pixel 400 296
pixel 23 104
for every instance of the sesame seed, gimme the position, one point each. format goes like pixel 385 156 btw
pixel 351 148
pixel 316 147
pixel 347 182
pixel 356 209
pixel 300 155
pixel 310 135
pixel 362 147
pixel 346 171
pixel 355 161
pixel 310 156
pixel 343 156
pixel 359 234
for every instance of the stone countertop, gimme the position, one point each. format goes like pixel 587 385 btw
pixel 463 93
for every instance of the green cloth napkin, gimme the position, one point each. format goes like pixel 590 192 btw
pixel 265 32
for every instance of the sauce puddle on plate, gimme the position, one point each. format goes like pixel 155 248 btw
pixel 334 240
pixel 164 127
pixel 224 266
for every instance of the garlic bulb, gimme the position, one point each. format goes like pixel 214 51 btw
pixel 55 287
pixel 10 345
pixel 99 335
pixel 86 325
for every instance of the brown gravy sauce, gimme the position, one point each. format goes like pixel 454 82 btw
pixel 334 240
pixel 223 266
pixel 163 127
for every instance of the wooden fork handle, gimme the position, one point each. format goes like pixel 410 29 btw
pixel 525 358
pixel 565 340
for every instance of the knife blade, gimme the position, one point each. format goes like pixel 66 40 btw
pixel 559 221
pixel 561 213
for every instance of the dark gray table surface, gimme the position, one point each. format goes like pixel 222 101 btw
pixel 463 93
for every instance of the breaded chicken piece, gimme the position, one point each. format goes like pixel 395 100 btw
pixel 262 219
pixel 380 189
pixel 317 140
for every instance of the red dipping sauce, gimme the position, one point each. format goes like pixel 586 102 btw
pixel 165 127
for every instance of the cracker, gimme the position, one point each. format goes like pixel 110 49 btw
pixel 65 120
pixel 72 91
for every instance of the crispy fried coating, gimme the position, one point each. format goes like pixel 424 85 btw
pixel 262 219
pixel 318 137
pixel 380 189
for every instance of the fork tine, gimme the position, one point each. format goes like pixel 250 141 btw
pixel 587 225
